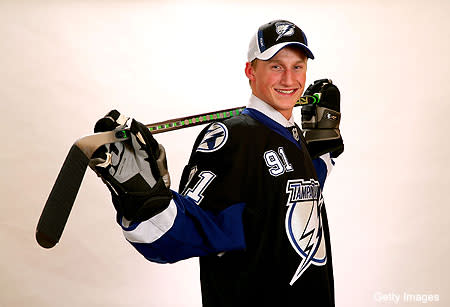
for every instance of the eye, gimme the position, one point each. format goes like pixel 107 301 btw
pixel 276 67
pixel 299 67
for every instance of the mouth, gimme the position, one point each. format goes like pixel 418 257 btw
pixel 286 91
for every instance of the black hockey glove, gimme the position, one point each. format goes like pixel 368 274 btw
pixel 320 121
pixel 134 170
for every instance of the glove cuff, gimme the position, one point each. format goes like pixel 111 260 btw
pixel 141 206
pixel 334 147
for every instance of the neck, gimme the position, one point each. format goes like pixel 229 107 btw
pixel 286 113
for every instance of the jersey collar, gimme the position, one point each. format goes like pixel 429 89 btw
pixel 269 111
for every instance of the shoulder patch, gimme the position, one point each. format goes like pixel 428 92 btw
pixel 214 139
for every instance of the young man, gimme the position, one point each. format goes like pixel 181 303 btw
pixel 250 202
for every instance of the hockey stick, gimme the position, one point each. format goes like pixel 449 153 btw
pixel 62 196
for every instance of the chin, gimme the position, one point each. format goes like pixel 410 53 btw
pixel 287 102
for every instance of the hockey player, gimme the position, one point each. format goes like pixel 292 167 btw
pixel 250 201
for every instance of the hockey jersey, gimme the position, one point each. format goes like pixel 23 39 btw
pixel 250 205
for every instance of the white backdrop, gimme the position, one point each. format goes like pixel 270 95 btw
pixel 66 63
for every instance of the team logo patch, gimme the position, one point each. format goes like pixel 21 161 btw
pixel 304 223
pixel 214 139
pixel 284 29
pixel 295 134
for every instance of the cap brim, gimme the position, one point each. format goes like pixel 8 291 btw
pixel 272 51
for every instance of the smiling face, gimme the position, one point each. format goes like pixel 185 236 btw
pixel 279 81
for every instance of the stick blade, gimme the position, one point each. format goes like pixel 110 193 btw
pixel 57 209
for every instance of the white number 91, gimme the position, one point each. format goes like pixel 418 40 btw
pixel 277 162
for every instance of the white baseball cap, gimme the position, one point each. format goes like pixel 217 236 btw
pixel 274 36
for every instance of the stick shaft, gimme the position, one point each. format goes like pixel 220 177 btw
pixel 204 118
pixel 194 120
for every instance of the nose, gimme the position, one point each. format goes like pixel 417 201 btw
pixel 288 77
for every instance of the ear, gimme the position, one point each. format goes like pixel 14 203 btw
pixel 250 71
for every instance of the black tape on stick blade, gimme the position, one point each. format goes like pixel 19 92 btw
pixel 62 196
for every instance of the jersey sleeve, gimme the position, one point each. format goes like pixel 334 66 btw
pixel 323 165
pixel 205 216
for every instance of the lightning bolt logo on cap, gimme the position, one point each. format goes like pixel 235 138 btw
pixel 284 29
pixel 214 139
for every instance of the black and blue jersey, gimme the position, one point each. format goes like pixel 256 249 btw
pixel 250 205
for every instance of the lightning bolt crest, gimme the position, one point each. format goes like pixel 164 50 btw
pixel 214 138
pixel 210 140
pixel 305 237
pixel 286 28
